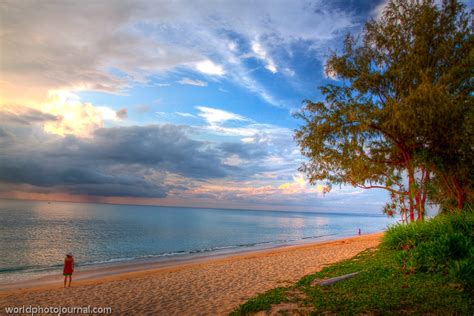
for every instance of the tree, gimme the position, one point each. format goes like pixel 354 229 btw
pixel 384 125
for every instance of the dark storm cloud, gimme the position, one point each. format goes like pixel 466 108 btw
pixel 77 180
pixel 164 147
pixel 121 161
pixel 17 115
pixel 244 151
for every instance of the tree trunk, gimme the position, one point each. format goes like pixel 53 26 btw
pixel 419 206
pixel 426 179
pixel 460 193
pixel 411 180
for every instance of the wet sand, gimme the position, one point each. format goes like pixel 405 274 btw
pixel 214 286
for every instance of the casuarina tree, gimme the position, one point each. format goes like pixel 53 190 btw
pixel 399 116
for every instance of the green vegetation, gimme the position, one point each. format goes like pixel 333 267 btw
pixel 443 245
pixel 423 267
pixel 262 302
pixel 400 116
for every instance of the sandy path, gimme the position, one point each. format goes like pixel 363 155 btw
pixel 215 287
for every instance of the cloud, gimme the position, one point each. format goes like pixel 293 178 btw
pixel 92 39
pixel 243 151
pixel 60 117
pixel 158 162
pixel 119 161
pixel 233 160
pixel 244 78
pixel 260 53
pixel 121 113
pixel 299 186
pixel 111 47
pixel 216 116
pixel 74 116
pixel 164 147
pixel 232 46
pixel 191 82
pixel 248 130
pixel 184 114
pixel 116 160
pixel 209 68
pixel 21 115
pixel 259 148
pixel 262 147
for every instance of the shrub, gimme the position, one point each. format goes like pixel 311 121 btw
pixel 444 244
pixel 436 255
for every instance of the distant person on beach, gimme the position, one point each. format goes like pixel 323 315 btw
pixel 68 268
pixel 359 232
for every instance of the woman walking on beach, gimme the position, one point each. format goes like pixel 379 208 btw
pixel 68 268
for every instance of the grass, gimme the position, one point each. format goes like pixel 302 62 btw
pixel 263 301
pixel 384 285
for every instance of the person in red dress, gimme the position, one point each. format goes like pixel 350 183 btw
pixel 68 268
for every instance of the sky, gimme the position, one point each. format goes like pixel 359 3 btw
pixel 180 103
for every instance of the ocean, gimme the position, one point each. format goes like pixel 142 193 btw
pixel 36 235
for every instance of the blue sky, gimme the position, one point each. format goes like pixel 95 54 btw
pixel 168 102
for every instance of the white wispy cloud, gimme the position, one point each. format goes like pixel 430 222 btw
pixel 244 79
pixel 216 116
pixel 184 114
pixel 248 130
pixel 262 54
pixel 191 82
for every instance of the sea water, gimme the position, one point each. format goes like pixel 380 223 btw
pixel 36 235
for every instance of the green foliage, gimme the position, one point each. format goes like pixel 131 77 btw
pixel 404 237
pixel 261 302
pixel 444 244
pixel 463 270
pixel 436 255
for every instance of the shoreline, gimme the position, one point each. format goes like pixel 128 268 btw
pixel 96 271
pixel 214 286
pixel 102 275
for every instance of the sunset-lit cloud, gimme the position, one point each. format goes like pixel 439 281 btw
pixel 300 185
pixel 73 117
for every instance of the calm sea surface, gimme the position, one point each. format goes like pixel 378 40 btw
pixel 34 236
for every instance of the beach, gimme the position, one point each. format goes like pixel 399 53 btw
pixel 207 287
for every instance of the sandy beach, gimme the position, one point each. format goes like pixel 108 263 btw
pixel 212 287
